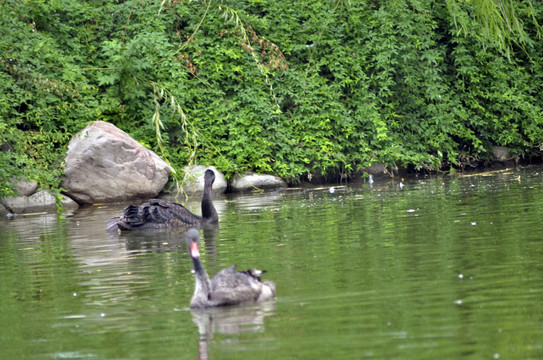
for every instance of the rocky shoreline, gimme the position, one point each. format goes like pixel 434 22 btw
pixel 104 165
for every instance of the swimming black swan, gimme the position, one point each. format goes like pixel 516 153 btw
pixel 161 214
pixel 228 287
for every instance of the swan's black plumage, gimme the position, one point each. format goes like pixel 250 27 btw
pixel 228 287
pixel 161 214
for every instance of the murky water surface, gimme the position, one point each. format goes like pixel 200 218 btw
pixel 441 268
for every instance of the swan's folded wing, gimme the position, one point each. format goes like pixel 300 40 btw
pixel 239 295
pixel 229 287
pixel 141 216
pixel 166 211
pixel 133 215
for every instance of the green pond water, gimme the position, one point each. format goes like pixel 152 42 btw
pixel 439 268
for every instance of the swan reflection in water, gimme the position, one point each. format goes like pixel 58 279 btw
pixel 166 240
pixel 230 320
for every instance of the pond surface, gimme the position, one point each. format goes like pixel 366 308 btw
pixel 439 268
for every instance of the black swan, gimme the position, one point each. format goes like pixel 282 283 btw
pixel 228 287
pixel 162 214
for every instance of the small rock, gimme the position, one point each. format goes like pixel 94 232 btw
pixel 41 201
pixel 256 181
pixel 196 186
pixel 376 169
pixel 25 188
pixel 5 211
pixel 501 153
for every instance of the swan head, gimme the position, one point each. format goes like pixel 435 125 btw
pixel 193 238
pixel 209 177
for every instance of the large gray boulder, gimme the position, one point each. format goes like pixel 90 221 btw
pixel 254 181
pixel 105 165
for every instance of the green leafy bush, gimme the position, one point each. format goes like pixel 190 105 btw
pixel 291 88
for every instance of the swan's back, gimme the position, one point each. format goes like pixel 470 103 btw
pixel 157 214
pixel 230 287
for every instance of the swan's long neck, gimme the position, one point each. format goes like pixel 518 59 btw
pixel 202 288
pixel 199 270
pixel 209 213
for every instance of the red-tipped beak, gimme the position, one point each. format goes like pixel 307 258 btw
pixel 194 252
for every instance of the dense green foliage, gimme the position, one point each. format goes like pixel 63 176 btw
pixel 291 88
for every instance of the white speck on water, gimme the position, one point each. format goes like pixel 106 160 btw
pixel 72 355
pixel 75 294
pixel 74 317
pixel 458 302
pixel 460 276
pixel 473 223
pixel 411 210
pixel 496 356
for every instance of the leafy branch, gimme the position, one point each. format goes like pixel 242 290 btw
pixel 161 96
pixel 498 22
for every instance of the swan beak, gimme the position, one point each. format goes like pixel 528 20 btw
pixel 194 252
